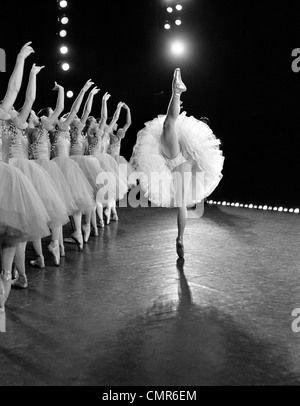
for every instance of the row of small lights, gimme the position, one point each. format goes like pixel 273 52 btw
pixel 254 206
pixel 63 20
pixel 173 10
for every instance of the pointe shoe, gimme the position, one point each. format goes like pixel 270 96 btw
pixel 101 223
pixel 178 86
pixel 54 251
pixel 20 283
pixel 62 250
pixel 179 248
pixel 69 240
pixel 114 217
pixel 77 237
pixel 38 263
pixel 107 213
pixel 86 231
pixel 94 232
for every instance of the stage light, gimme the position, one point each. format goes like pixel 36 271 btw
pixel 62 33
pixel 177 48
pixel 242 205
pixel 64 20
pixel 296 211
pixel 280 209
pixel 178 7
pixel 260 207
pixel 223 203
pixel 291 210
pixel 251 206
pixel 246 205
pixel 275 208
pixel 169 9
pixel 237 205
pixel 64 49
pixel 255 206
pixel 285 210
pixel 265 207
pixel 228 204
pixel 70 94
pixel 65 66
pixel 178 22
pixel 219 203
pixel 63 3
pixel 167 26
pixel 270 208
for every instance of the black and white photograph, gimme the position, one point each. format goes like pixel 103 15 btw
pixel 149 195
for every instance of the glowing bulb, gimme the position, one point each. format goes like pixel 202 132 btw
pixel 64 49
pixel 177 48
pixel 65 66
pixel 70 94
pixel 169 9
pixel 62 33
pixel 178 7
pixel 178 22
pixel 63 3
pixel 64 20
pixel 167 26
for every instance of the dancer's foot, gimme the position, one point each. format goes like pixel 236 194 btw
pixel 94 232
pixel 107 213
pixel 178 86
pixel 20 283
pixel 53 248
pixel 39 262
pixel 179 247
pixel 114 217
pixel 86 230
pixel 77 237
pixel 62 250
pixel 69 240
pixel 101 223
pixel 14 272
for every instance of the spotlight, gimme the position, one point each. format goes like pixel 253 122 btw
pixel 270 208
pixel 291 210
pixel 63 3
pixel 285 210
pixel 296 211
pixel 265 207
pixel 223 203
pixel 62 33
pixel 246 205
pixel 251 206
pixel 275 208
pixel 167 26
pixel 280 209
pixel 178 22
pixel 237 205
pixel 177 48
pixel 64 49
pixel 242 205
pixel 65 66
pixel 70 94
pixel 178 7
pixel 169 9
pixel 260 207
pixel 255 206
pixel 64 20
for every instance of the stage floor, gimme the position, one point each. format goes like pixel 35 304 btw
pixel 124 311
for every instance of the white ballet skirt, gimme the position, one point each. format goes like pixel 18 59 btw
pixel 199 146
pixel 23 216
pixel 80 188
pixel 40 151
pixel 126 168
pixel 109 165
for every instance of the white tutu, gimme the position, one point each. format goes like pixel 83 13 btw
pixel 23 216
pixel 199 146
pixel 46 189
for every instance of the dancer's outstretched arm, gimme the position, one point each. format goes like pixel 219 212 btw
pixel 30 94
pixel 128 118
pixel 103 119
pixel 16 77
pixel 60 104
pixel 115 118
pixel 88 105
pixel 76 105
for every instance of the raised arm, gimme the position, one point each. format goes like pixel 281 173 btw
pixel 115 118
pixel 103 118
pixel 30 94
pixel 60 104
pixel 77 103
pixel 88 105
pixel 16 77
pixel 128 118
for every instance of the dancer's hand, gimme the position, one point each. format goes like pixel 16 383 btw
pixel 106 96
pixel 95 90
pixel 36 69
pixel 57 86
pixel 125 106
pixel 88 84
pixel 120 104
pixel 26 50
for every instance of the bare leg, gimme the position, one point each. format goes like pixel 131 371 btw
pixel 94 221
pixel 39 262
pixel 77 234
pixel 19 260
pixel 100 213
pixel 169 138
pixel 61 243
pixel 7 256
pixel 53 247
pixel 86 227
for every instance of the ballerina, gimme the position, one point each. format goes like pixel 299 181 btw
pixel 23 216
pixel 182 155
pixel 81 190
pixel 115 136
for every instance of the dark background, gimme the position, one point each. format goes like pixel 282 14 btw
pixel 237 70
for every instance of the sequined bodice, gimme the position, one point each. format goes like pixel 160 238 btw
pixel 61 144
pixel 96 143
pixel 40 146
pixel 78 142
pixel 114 146
pixel 14 143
